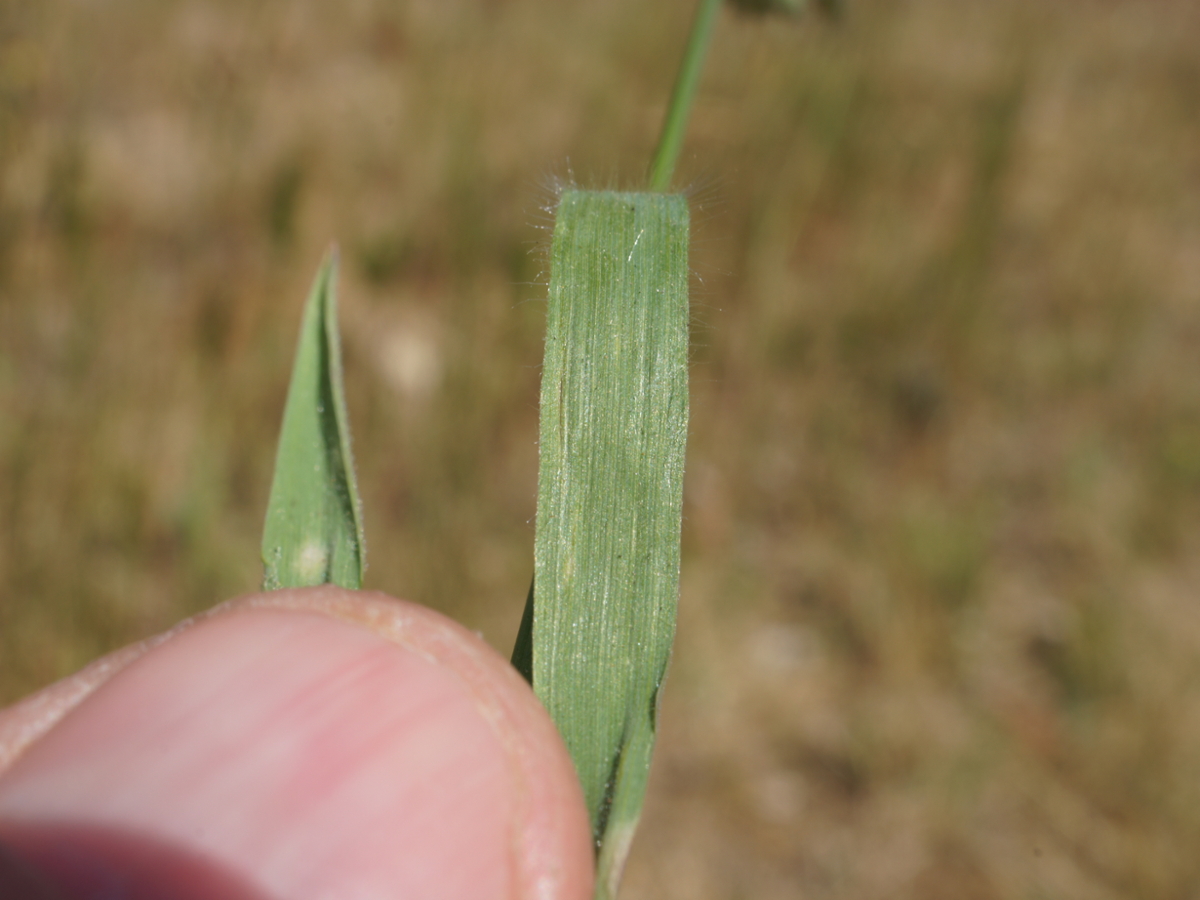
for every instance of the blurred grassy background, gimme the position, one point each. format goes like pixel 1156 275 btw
pixel 940 622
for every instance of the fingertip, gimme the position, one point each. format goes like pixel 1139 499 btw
pixel 318 743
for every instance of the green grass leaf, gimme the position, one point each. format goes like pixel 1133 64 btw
pixel 614 412
pixel 313 533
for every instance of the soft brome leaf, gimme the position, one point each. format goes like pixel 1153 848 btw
pixel 313 533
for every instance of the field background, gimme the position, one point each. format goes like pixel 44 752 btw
pixel 940 622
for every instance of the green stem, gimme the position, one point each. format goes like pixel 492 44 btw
pixel 675 123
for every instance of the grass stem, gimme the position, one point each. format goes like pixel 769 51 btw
pixel 686 82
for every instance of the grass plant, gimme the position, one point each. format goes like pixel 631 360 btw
pixel 596 636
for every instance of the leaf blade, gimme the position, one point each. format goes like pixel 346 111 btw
pixel 313 531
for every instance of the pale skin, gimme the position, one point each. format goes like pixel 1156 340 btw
pixel 299 745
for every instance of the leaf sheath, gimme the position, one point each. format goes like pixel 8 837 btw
pixel 614 411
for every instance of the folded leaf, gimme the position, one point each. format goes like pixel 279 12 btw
pixel 313 533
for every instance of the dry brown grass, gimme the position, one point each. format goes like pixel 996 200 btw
pixel 940 630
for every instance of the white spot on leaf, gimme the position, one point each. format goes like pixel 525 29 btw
pixel 312 561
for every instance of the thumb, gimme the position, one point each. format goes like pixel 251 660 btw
pixel 309 744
